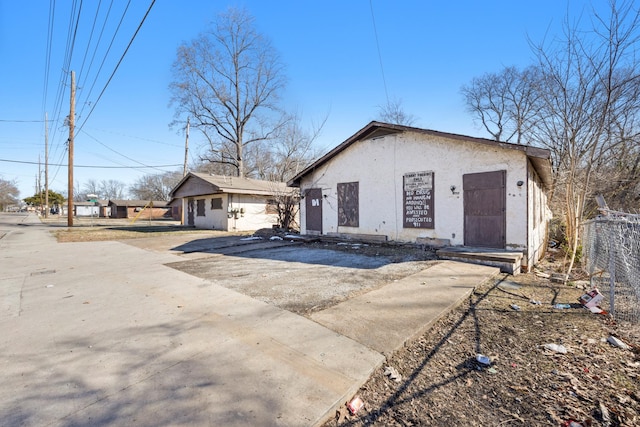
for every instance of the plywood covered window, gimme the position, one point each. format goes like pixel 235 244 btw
pixel 200 207
pixel 216 203
pixel 348 204
pixel 272 207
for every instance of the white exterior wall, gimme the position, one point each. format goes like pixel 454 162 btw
pixel 231 216
pixel 82 210
pixel 379 165
pixel 539 216
pixel 255 216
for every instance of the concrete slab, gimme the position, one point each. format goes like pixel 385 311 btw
pixel 106 333
pixel 109 335
pixel 384 319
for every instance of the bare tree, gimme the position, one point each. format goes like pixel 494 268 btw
pixel 8 194
pixel 393 113
pixel 290 151
pixel 155 187
pixel 91 186
pixel 582 102
pixel 506 103
pixel 227 81
pixel 590 91
pixel 111 189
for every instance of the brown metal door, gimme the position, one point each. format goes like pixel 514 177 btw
pixel 190 211
pixel 485 219
pixel 313 210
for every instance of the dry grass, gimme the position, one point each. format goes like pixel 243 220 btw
pixel 100 232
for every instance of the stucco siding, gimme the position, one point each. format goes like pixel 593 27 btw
pixel 233 212
pixel 539 216
pixel 249 213
pixel 379 164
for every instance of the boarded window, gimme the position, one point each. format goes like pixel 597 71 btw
pixel 348 204
pixel 272 207
pixel 200 207
pixel 216 203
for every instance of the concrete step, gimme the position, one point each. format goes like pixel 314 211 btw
pixel 508 261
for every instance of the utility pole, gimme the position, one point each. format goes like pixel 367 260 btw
pixel 186 150
pixel 39 180
pixel 46 167
pixel 184 170
pixel 72 123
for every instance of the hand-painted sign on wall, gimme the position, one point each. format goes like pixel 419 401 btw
pixel 418 200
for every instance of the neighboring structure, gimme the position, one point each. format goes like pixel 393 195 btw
pixel 147 209
pixel 99 208
pixel 105 209
pixel 176 208
pixel 229 203
pixel 392 182
pixel 88 209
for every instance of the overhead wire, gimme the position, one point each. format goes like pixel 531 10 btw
pixel 93 27
pixel 375 32
pixel 117 152
pixel 104 58
pixel 47 61
pixel 58 120
pixel 93 166
pixel 95 51
pixel 118 64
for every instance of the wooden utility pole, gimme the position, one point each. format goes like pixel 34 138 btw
pixel 46 167
pixel 72 123
pixel 186 150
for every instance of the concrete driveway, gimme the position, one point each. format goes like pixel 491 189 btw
pixel 109 333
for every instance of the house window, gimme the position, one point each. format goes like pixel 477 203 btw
pixel 272 207
pixel 216 203
pixel 200 207
pixel 348 205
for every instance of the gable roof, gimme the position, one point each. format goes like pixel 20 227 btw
pixel 540 158
pixel 215 184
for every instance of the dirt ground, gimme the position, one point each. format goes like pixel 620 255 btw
pixel 437 380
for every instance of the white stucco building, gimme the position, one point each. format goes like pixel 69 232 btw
pixel 404 184
pixel 228 203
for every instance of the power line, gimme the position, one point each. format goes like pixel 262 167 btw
pixel 104 58
pixel 47 66
pixel 118 64
pixel 21 121
pixel 375 31
pixel 92 166
pixel 117 152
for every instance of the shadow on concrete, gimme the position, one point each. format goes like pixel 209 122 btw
pixel 109 378
pixel 281 250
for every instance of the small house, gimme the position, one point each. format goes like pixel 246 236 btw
pixel 147 209
pixel 229 203
pixel 406 184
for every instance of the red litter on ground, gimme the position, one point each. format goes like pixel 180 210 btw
pixel 355 405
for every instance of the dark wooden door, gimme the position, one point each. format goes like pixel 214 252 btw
pixel 190 212
pixel 313 210
pixel 485 219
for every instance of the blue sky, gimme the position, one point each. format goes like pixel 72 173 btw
pixel 429 49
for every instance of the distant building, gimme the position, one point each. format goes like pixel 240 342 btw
pixel 148 209
pixel 228 203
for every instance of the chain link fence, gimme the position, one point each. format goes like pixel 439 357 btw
pixel 611 256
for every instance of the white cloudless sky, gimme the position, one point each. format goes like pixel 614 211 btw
pixel 425 50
